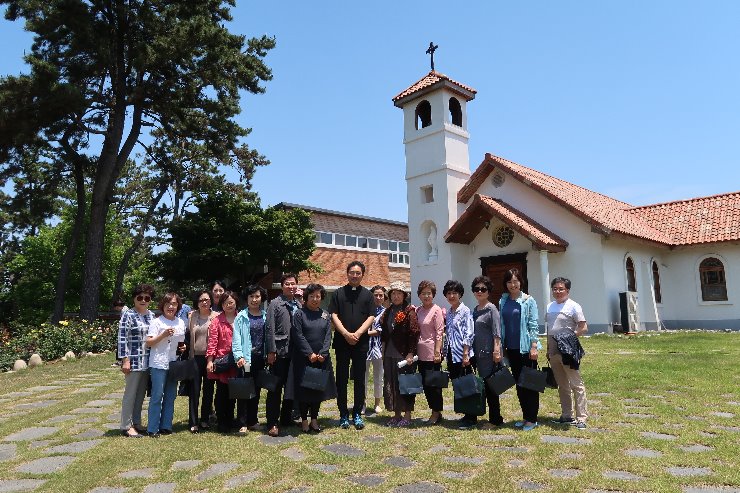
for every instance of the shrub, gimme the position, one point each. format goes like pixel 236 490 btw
pixel 52 341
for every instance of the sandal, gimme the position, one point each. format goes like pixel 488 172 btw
pixel 242 431
pixel 194 429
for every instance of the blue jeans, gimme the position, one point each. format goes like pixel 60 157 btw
pixel 162 401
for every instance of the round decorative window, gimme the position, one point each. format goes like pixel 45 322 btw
pixel 503 236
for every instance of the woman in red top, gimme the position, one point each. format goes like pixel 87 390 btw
pixel 220 335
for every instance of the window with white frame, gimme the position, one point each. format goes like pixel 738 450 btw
pixel 398 251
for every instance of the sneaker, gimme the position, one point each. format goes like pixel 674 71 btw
pixel 344 423
pixel 403 423
pixel 564 421
pixel 359 423
pixel 378 409
pixel 581 425
pixel 519 424
pixel 393 422
pixel 530 426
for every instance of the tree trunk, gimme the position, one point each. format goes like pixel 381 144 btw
pixel 74 241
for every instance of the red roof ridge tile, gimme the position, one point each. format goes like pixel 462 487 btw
pixel 430 79
pixel 679 201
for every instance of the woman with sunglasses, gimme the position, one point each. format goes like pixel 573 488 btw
pixel 134 354
pixel 200 322
pixel 220 337
pixel 486 343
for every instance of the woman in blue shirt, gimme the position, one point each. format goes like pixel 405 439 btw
pixel 458 339
pixel 519 327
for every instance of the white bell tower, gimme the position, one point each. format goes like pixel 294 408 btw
pixel 435 134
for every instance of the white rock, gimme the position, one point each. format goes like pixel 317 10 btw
pixel 90 353
pixel 19 365
pixel 35 360
pixel 69 355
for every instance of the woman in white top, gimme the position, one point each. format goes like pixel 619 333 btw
pixel 166 333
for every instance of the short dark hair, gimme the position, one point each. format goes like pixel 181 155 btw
pixel 253 288
pixel 378 286
pixel 560 280
pixel 287 276
pixel 455 286
pixel 225 296
pixel 198 294
pixel 220 283
pixel 358 264
pixel 511 274
pixel 426 284
pixel 170 296
pixel 119 302
pixel 482 280
pixel 143 288
pixel 312 288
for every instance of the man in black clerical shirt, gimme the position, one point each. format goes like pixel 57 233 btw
pixel 352 312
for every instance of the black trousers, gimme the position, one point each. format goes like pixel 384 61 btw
pixel 201 382
pixel 433 394
pixel 357 356
pixel 311 408
pixel 246 409
pixel 529 400
pixel 272 403
pixel 224 407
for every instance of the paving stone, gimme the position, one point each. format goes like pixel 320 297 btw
pixel 465 460
pixel 15 395
pixel 639 415
pixel 707 434
pixel 374 438
pixel 422 487
pixel 710 489
pixel 113 395
pixel 137 473
pixel 734 429
pixel 643 452
pixel 37 404
pixel 325 468
pixel 108 489
pixel 43 388
pixel 242 479
pixel 91 433
pixel 733 403
pixel 89 419
pixel 74 447
pixel 720 414
pixel 100 403
pixel 515 463
pixel 454 475
pixel 564 473
pixel 279 440
pixel 184 465
pixel 489 437
pixel 299 489
pixel 399 461
pixel 63 382
pixel 529 485
pixel 513 450
pixel 8 451
pixel 696 448
pixel 216 470
pixel 111 426
pixel 438 449
pixel 565 440
pixel 571 456
pixel 98 384
pixel 32 433
pixel 114 417
pixel 46 465
pixel 622 475
pixel 87 410
pixel 688 471
pixel 13 485
pixel 293 453
pixel 631 400
pixel 83 390
pixel 343 450
pixel 368 480
pixel 595 429
pixel 418 433
pixel 160 488
pixel 657 436
pixel 40 444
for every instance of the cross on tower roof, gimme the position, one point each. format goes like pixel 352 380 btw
pixel 430 51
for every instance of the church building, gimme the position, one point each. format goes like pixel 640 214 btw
pixel 668 265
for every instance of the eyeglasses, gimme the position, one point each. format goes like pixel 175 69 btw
pixel 480 289
pixel 144 298
pixel 204 300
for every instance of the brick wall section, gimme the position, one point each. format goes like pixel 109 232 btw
pixel 334 262
pixel 401 274
pixel 361 227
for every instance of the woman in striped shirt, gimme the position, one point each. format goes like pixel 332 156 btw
pixel 459 339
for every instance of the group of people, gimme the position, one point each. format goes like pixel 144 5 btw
pixel 377 327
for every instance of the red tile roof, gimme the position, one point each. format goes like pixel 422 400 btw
pixel 433 78
pixel 694 221
pixel 688 222
pixel 483 208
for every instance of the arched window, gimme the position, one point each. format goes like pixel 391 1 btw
pixel 631 282
pixel 455 112
pixel 423 114
pixel 656 283
pixel 712 277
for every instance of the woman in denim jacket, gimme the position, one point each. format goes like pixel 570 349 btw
pixel 519 327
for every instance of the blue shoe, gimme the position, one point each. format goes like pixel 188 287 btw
pixel 359 423
pixel 344 422
pixel 519 424
pixel 529 427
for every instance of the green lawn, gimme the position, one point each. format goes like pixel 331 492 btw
pixel 684 384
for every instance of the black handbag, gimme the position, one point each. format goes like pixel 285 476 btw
pixel 410 384
pixel 186 369
pixel 241 387
pixel 465 386
pixel 267 380
pixel 315 378
pixel 550 381
pixel 500 380
pixel 224 363
pixel 436 378
pixel 532 379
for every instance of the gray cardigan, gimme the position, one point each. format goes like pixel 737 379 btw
pixel 278 324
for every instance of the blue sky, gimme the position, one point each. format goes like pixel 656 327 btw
pixel 637 100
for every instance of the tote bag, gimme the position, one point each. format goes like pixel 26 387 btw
pixel 437 378
pixel 410 384
pixel 186 369
pixel 532 379
pixel 500 380
pixel 242 386
pixel 268 380
pixel 315 378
